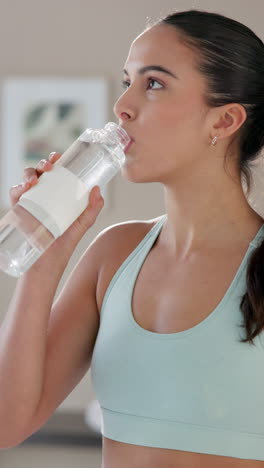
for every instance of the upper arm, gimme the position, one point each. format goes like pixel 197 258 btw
pixel 71 335
pixel 75 319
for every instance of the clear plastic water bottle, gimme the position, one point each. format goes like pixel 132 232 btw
pixel 46 210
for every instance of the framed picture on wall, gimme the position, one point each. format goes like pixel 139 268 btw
pixel 44 115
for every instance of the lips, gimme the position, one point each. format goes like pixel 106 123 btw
pixel 128 145
pixel 126 148
pixel 130 136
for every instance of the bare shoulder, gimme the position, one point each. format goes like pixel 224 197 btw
pixel 117 232
pixel 116 244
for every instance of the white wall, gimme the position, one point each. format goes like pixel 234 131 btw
pixel 81 39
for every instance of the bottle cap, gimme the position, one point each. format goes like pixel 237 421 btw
pixel 111 134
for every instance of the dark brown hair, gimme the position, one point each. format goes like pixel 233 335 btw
pixel 231 58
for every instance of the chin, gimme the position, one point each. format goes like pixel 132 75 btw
pixel 137 176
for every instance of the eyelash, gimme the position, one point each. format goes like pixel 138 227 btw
pixel 126 83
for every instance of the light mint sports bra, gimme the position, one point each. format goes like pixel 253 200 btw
pixel 198 390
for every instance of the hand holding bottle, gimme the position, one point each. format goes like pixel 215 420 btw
pixel 61 205
pixel 70 238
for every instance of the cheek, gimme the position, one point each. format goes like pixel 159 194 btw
pixel 171 131
pixel 181 128
pixel 171 120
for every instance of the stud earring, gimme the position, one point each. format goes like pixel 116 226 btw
pixel 214 141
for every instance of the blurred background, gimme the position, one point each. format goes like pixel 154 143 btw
pixel 81 39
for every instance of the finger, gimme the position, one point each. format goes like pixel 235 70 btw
pixel 42 166
pixel 30 175
pixel 95 204
pixel 46 164
pixel 53 157
pixel 89 215
pixel 16 191
pixel 95 195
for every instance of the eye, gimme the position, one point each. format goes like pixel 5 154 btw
pixel 126 83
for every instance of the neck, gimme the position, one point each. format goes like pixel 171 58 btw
pixel 205 214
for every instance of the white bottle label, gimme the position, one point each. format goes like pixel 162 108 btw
pixel 57 199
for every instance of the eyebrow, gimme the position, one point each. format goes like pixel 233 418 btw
pixel 159 68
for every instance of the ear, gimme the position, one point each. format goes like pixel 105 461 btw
pixel 229 119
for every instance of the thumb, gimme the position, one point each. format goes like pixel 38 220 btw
pixel 86 220
pixel 71 237
pixel 95 195
pixel 88 217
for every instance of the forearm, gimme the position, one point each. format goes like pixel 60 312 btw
pixel 23 339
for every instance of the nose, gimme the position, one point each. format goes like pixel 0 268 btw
pixel 123 111
pixel 125 116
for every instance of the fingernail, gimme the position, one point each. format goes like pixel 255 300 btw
pixel 51 156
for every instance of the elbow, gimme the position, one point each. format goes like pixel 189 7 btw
pixel 8 442
pixel 14 430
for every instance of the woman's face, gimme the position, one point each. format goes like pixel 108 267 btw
pixel 163 112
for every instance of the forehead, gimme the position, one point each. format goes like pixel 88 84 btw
pixel 160 45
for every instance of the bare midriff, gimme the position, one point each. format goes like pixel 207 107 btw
pixel 120 455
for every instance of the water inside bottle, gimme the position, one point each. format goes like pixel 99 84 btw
pixel 18 254
pixel 19 249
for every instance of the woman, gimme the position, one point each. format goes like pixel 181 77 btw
pixel 168 312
